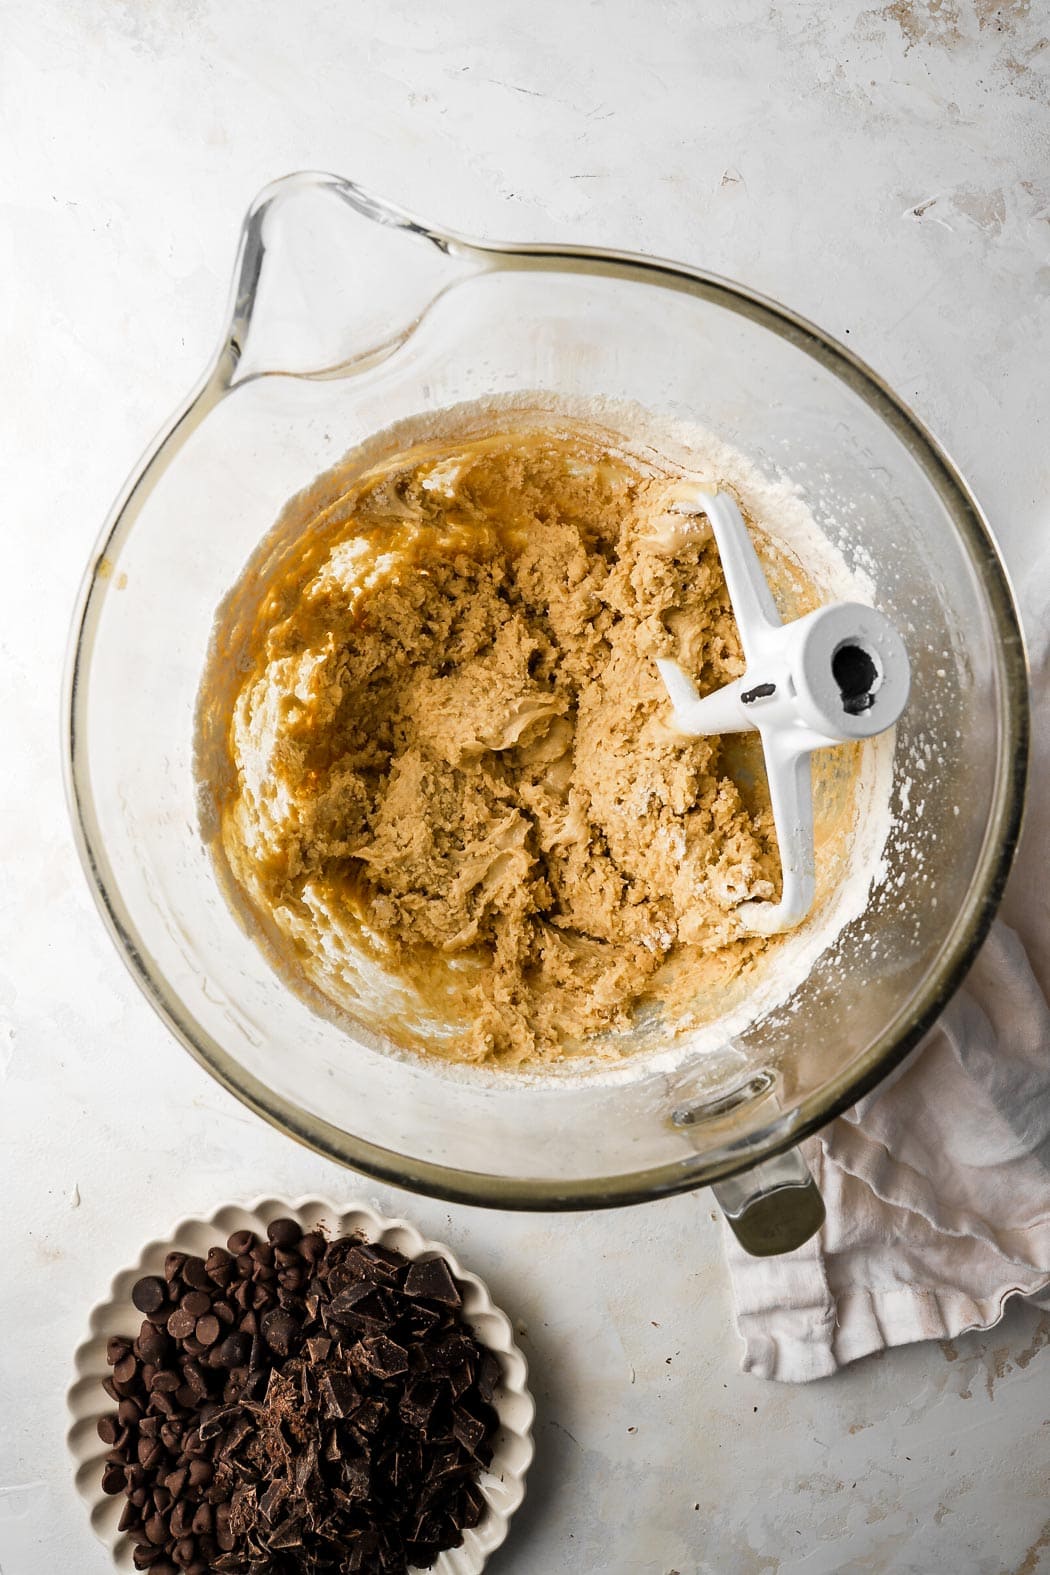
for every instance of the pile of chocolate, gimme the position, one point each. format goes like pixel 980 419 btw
pixel 298 1405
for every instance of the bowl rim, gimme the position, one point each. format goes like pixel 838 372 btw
pixel 1002 831
pixel 86 1402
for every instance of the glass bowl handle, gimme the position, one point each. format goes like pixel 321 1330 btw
pixel 330 279
pixel 774 1207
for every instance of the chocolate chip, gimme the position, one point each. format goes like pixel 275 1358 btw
pixel 322 1397
pixel 200 1473
pixel 312 1247
pixel 348 1298
pixel 284 1232
pixel 149 1294
pixel 279 1330
pixel 219 1265
pixel 181 1323
pixel 113 1479
pixel 235 1349
pixel 339 1395
pixel 382 1356
pixel 130 1517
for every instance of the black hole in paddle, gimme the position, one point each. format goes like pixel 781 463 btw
pixel 855 673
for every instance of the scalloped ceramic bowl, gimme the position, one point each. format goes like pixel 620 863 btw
pixel 503 1483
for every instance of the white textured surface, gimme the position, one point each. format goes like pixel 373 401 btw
pixel 885 169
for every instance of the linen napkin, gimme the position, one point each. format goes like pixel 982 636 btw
pixel 937 1188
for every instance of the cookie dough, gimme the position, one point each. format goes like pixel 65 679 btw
pixel 444 744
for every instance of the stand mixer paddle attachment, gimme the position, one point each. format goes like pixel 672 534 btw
pixel 841 673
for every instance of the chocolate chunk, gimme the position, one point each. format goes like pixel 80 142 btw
pixel 356 1479
pixel 288 1535
pixel 349 1299
pixel 431 1281
pixel 207 1330
pixel 197 1303
pixel 203 1520
pixel 240 1242
pixel 219 1266
pixel 339 1395
pixel 472 1505
pixel 116 1349
pixel 149 1294
pixel 284 1233
pixel 382 1356
pixel 369 1416
pixel 157 1530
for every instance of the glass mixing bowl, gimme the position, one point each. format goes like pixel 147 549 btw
pixel 347 316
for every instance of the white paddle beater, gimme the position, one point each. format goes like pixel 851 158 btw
pixel 839 673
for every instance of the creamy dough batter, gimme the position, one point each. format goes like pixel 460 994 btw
pixel 438 737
